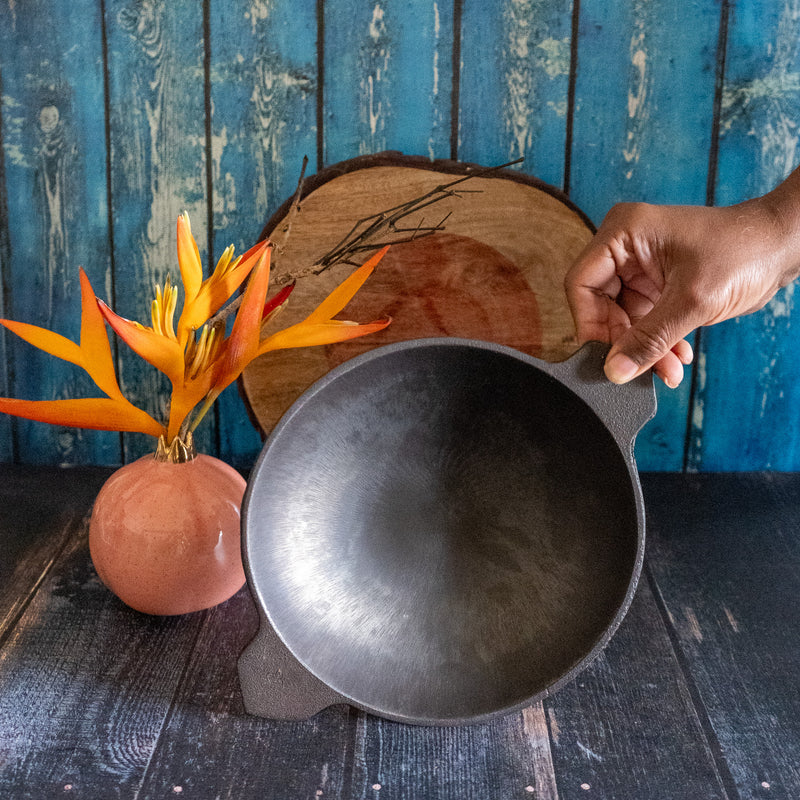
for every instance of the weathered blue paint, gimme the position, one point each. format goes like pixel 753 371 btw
pixel 157 113
pixel 746 409
pixel 263 90
pixel 640 133
pixel 514 84
pixel 388 78
pixel 642 129
pixel 7 449
pixel 54 155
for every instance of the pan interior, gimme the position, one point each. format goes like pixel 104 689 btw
pixel 442 532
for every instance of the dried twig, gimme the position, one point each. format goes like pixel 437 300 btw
pixel 294 210
pixel 365 232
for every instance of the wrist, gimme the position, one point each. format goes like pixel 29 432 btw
pixel 781 207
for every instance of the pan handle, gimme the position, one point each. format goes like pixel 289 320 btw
pixel 623 409
pixel 275 685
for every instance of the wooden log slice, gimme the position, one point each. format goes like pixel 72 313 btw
pixel 495 273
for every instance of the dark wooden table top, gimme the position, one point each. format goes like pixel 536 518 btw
pixel 697 696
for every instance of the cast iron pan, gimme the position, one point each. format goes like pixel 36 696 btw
pixel 441 531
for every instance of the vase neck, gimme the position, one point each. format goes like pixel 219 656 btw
pixel 178 451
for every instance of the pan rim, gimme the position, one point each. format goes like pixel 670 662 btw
pixel 625 447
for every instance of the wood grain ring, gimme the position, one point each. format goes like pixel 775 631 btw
pixel 496 273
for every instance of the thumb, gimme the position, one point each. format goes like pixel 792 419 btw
pixel 647 341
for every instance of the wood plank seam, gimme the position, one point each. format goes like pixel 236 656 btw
pixel 320 84
pixel 455 97
pixel 711 182
pixel 209 177
pixel 706 726
pixel 694 390
pixel 114 341
pixel 719 87
pixel 571 84
pixel 536 724
pixel 165 722
pixel 354 725
pixel 551 743
pixel 7 374
pixel 73 529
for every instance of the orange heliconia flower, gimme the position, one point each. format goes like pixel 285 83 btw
pixel 195 354
pixel 93 354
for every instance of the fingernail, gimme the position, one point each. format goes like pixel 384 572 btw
pixel 619 368
pixel 668 381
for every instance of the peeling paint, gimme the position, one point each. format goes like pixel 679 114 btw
pixel 777 84
pixel 768 103
pixel 52 169
pixel 225 194
pixel 10 102
pixel 519 77
pixel 782 304
pixel 374 62
pixel 373 109
pixel 323 780
pixel 437 114
pixel 732 620
pixel 152 163
pixel 555 731
pixel 694 625
pixel 557 56
pixel 590 754
pixel 436 35
pixel 638 92
pixel 534 724
pixel 259 12
pixel 12 140
pixel 15 154
pixel 636 101
pixel 772 97
pixel 219 142
pixel 776 318
pixel 273 87
pixel 376 26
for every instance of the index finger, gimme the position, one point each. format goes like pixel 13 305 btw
pixel 592 287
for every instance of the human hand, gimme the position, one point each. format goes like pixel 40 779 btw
pixel 652 274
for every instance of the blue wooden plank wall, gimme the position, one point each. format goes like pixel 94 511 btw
pixel 117 115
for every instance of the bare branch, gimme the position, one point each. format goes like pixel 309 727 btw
pixel 369 233
pixel 295 208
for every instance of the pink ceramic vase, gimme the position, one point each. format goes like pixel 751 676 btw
pixel 164 534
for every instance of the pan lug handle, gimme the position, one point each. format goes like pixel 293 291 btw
pixel 623 409
pixel 275 685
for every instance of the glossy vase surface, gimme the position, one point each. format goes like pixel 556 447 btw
pixel 165 537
